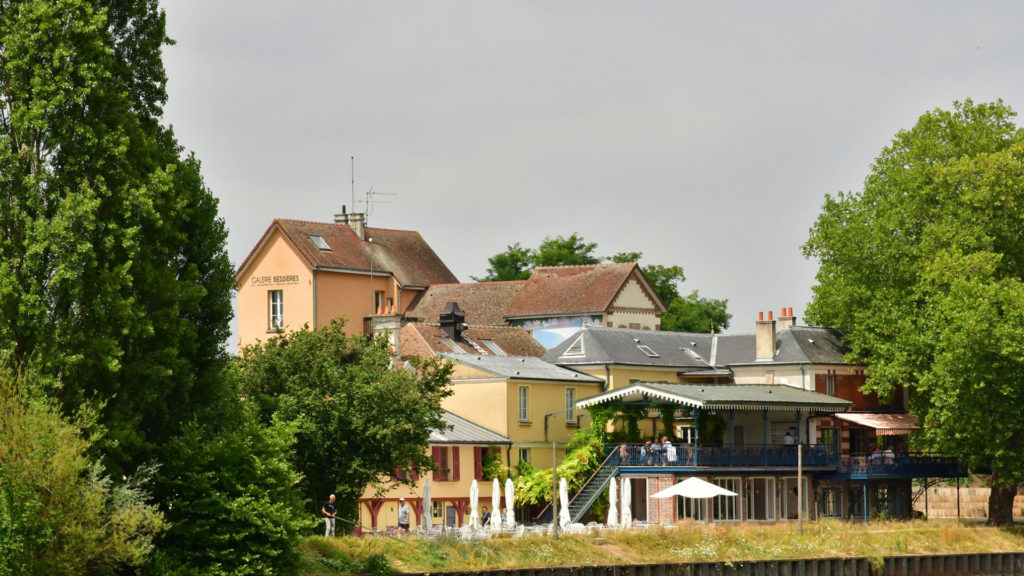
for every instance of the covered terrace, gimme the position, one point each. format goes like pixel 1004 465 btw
pixel 745 413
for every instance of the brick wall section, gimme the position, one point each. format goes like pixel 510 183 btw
pixel 973 503
pixel 847 387
pixel 659 510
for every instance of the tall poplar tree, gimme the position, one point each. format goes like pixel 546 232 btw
pixel 113 271
pixel 923 270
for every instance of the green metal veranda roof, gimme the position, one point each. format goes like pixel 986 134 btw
pixel 721 396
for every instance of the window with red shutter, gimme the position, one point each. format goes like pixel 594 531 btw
pixel 436 453
pixel 478 463
pixel 455 463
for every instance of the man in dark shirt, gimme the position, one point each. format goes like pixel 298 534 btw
pixel 485 520
pixel 330 510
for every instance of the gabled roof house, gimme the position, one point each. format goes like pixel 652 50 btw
pixel 308 273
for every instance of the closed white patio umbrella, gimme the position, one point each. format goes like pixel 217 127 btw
pixel 474 500
pixel 613 497
pixel 510 504
pixel 564 519
pixel 495 506
pixel 627 497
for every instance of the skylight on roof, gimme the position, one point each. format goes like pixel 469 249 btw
pixel 319 241
pixel 493 347
pixel 647 350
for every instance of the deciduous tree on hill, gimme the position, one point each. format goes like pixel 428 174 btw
pixel 358 420
pixel 923 270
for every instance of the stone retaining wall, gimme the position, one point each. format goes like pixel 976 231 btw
pixel 973 503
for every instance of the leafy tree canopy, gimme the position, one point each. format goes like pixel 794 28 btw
pixel 113 269
pixel 357 420
pixel 923 270
pixel 689 314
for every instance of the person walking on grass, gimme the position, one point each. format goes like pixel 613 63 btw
pixel 403 516
pixel 330 511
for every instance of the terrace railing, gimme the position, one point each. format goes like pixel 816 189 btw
pixel 746 456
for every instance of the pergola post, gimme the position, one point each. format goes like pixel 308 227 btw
pixel 696 435
pixel 732 440
pixel 764 434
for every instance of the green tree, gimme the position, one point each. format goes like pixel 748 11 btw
pixel 358 421
pixel 235 509
pixel 922 270
pixel 696 314
pixel 569 250
pixel 59 513
pixel 514 263
pixel 113 271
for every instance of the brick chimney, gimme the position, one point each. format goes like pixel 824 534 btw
pixel 786 319
pixel 356 221
pixel 452 321
pixel 764 337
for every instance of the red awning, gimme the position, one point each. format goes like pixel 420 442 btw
pixel 884 424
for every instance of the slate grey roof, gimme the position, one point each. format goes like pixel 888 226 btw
pixel 622 346
pixel 689 351
pixel 521 368
pixel 723 396
pixel 461 431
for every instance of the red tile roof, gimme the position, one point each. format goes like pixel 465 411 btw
pixel 424 339
pixel 484 303
pixel 403 253
pixel 570 290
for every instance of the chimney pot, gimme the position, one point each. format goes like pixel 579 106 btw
pixel 760 316
pixel 769 315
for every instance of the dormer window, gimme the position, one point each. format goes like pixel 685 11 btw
pixel 576 349
pixel 319 242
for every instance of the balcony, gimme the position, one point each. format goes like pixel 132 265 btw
pixel 903 466
pixel 735 457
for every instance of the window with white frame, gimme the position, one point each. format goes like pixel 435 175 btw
pixel 570 405
pixel 727 508
pixel 276 298
pixel 693 508
pixel 524 403
pixel 524 455
pixel 789 500
pixel 761 499
pixel 830 383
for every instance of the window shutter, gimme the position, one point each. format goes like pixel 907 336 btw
pixel 455 463
pixel 415 476
pixel 478 462
pixel 436 453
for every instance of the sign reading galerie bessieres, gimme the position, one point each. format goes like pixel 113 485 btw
pixel 275 280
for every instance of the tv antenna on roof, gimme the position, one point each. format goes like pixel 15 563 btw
pixel 372 199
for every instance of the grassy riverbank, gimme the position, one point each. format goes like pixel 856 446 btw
pixel 688 542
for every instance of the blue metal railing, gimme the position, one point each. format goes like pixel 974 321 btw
pixel 913 465
pixel 771 455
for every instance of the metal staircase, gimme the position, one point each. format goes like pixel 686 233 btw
pixel 591 490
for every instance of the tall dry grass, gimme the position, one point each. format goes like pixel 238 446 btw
pixel 687 542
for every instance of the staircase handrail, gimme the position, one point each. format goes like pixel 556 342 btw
pixel 611 452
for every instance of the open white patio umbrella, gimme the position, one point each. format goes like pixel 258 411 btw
pixel 474 508
pixel 495 506
pixel 425 516
pixel 694 487
pixel 627 497
pixel 510 504
pixel 564 519
pixel 613 512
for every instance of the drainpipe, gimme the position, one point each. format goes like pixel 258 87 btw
pixel 314 299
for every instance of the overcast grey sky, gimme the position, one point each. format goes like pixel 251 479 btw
pixel 704 134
